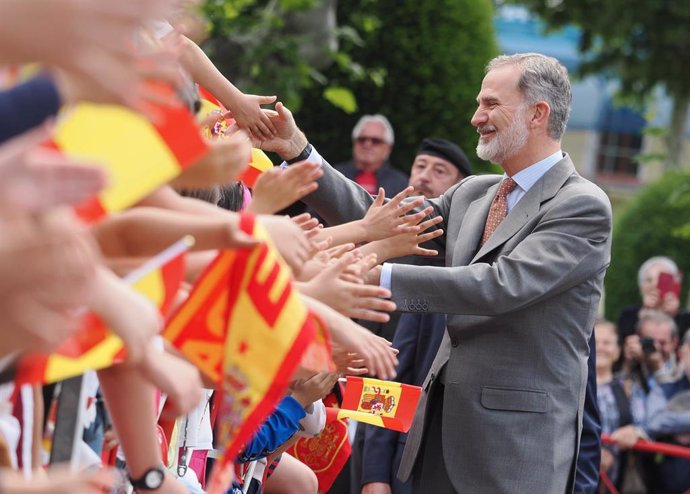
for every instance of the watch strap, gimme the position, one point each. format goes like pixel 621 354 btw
pixel 301 156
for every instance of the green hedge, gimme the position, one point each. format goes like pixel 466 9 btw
pixel 654 224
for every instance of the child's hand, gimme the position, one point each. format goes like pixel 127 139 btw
pixel 316 387
pixel 246 110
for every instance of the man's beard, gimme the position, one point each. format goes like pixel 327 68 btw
pixel 505 143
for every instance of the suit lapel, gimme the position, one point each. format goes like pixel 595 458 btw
pixel 528 206
pixel 473 227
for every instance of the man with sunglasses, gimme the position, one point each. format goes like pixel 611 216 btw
pixel 372 143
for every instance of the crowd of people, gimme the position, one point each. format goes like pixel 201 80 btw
pixel 482 289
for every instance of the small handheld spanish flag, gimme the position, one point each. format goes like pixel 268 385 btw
pixel 94 347
pixel 138 154
pixel 386 404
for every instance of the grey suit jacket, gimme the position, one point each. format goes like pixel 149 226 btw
pixel 520 312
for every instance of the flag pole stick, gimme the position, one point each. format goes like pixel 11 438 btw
pixel 160 259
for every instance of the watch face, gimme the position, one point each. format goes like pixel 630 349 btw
pixel 154 478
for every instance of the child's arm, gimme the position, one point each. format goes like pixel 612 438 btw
pixel 245 108
pixel 278 428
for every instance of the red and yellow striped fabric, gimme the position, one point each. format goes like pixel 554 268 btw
pixel 246 327
pixel 94 347
pixel 385 404
pixel 139 155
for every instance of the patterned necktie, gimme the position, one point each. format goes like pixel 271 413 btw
pixel 499 208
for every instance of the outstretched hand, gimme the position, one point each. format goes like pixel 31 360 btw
pixel 278 188
pixel 288 140
pixel 247 112
pixel 339 287
pixel 383 220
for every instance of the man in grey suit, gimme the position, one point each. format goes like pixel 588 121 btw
pixel 526 255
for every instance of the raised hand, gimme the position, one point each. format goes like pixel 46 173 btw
pixel 35 179
pixel 225 160
pixel 246 110
pixel 347 294
pixel 290 240
pixel 383 220
pixel 176 377
pixel 347 362
pixel 307 391
pixel 278 188
pixel 406 244
pixel 378 356
pixel 288 140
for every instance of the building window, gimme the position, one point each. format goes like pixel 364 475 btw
pixel 617 154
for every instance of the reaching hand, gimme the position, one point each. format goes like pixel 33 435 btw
pixel 95 41
pixel 276 189
pixel 246 110
pixel 290 241
pixel 176 377
pixel 347 362
pixel 385 220
pixel 35 179
pixel 407 244
pixel 352 299
pixel 125 312
pixel 288 140
pixel 225 160
pixel 307 391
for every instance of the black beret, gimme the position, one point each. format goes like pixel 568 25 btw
pixel 448 151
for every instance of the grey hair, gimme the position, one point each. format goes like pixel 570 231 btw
pixel 658 317
pixel 666 262
pixel 542 79
pixel 389 135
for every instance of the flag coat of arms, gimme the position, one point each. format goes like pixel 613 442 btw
pixel 246 327
pixel 327 453
pixel 385 404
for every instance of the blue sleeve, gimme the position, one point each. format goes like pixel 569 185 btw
pixel 280 426
pixel 27 105
pixel 589 459
pixel 660 420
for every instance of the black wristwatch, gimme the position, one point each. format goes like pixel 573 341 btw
pixel 301 156
pixel 151 480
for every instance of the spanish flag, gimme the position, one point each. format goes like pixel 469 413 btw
pixel 94 347
pixel 385 404
pixel 245 299
pixel 259 161
pixel 139 155
pixel 327 453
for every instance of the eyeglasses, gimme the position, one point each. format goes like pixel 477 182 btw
pixel 375 141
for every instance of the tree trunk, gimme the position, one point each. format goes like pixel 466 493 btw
pixel 676 133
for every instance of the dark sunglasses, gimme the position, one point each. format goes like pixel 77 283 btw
pixel 376 141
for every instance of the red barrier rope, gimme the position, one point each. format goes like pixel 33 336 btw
pixel 607 482
pixel 653 447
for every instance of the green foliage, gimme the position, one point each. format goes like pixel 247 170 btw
pixel 645 43
pixel 654 224
pixel 424 62
pixel 341 98
pixel 260 45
